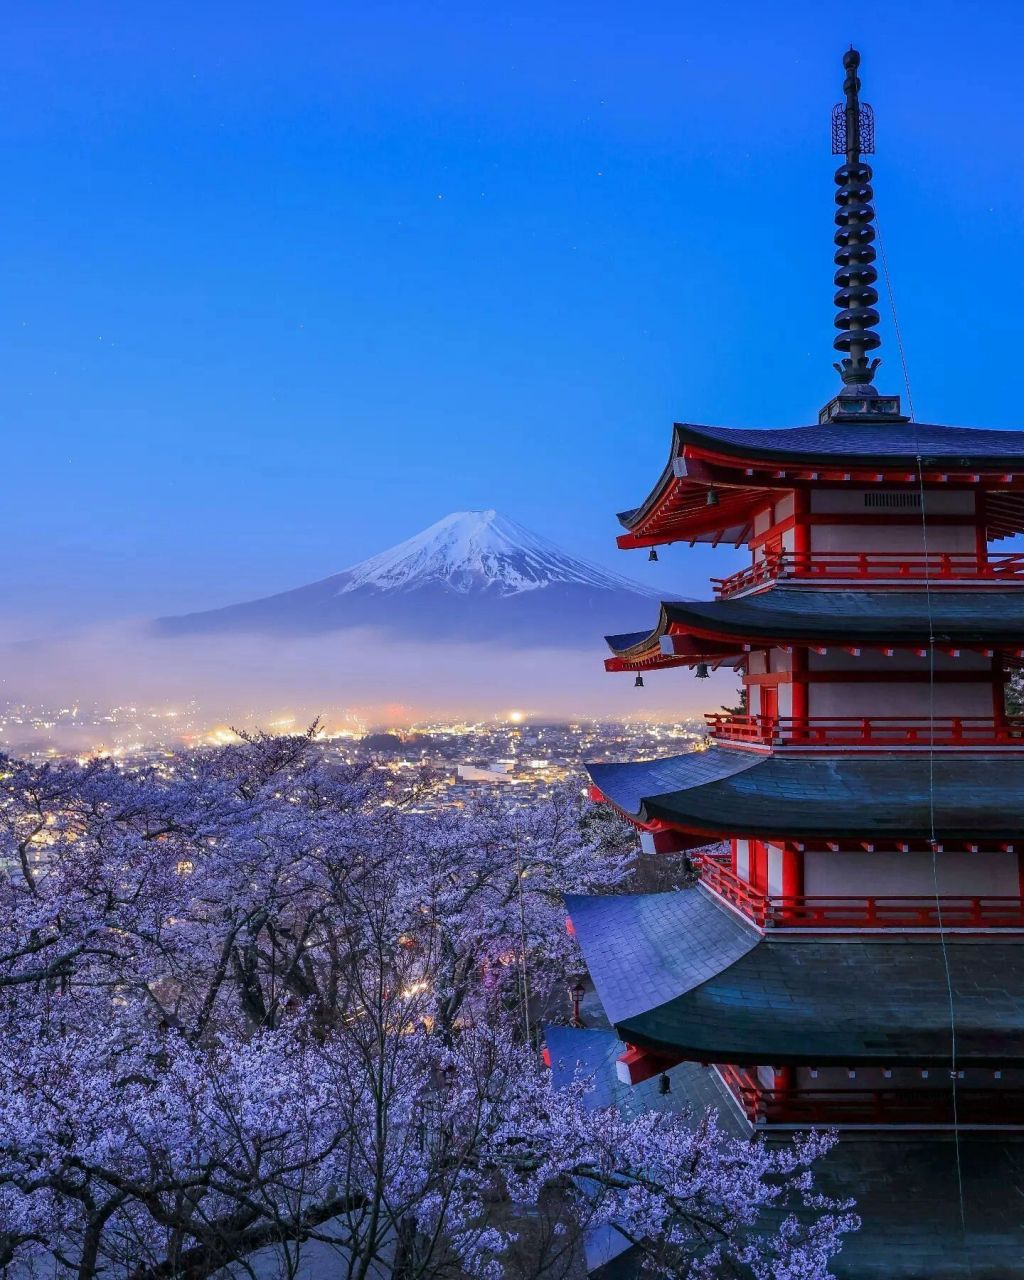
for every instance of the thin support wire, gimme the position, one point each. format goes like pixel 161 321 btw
pixel 933 836
pixel 896 328
pixel 933 844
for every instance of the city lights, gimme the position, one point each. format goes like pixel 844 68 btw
pixel 516 752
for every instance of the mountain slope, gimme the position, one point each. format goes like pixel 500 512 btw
pixel 473 550
pixel 472 576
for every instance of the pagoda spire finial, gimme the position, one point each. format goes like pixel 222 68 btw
pixel 853 135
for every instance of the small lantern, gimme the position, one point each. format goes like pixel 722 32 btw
pixel 638 683
pixel 702 672
pixel 712 498
pixel 576 993
pixel 654 554
pixel 664 1084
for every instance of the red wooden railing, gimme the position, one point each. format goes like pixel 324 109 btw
pixel 921 912
pixel 836 911
pixel 889 731
pixel 720 877
pixel 940 567
pixel 995 1106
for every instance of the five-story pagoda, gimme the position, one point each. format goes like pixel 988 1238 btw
pixel 855 956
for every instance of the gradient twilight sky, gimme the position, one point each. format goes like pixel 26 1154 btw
pixel 283 284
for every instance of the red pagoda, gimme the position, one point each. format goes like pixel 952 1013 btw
pixel 853 954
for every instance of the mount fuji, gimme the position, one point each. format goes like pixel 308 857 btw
pixel 474 576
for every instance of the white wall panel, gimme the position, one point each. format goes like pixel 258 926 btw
pixel 910 874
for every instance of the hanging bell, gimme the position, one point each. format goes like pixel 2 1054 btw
pixel 712 498
pixel 664 1084
pixel 702 672
pixel 654 554
pixel 638 683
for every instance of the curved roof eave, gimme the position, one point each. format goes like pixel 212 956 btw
pixel 634 643
pixel 681 974
pixel 727 791
pixel 891 443
pixel 961 448
pixel 627 786
pixel 812 614
pixel 630 519
pixel 646 948
pixel 869 1002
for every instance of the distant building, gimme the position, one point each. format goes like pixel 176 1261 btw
pixel 856 957
pixel 495 773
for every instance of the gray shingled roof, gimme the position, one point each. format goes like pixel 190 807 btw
pixel 644 949
pixel 627 786
pixel 678 973
pixel 956 446
pixel 855 1002
pixel 821 614
pixel 727 791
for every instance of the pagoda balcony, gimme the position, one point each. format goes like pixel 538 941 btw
pixel 875 568
pixel 843 913
pixel 866 732
pixel 883 1108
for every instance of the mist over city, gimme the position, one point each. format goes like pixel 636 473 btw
pixel 473 616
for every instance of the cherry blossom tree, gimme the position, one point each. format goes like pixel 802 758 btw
pixel 251 999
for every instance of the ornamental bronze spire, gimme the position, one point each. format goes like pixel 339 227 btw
pixel 853 135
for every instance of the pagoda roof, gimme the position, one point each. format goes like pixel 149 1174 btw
pixel 959 448
pixel 747 467
pixel 655 946
pixel 746 999
pixel 592 1051
pixel 728 791
pixel 786 614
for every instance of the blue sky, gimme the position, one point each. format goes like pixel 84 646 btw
pixel 283 284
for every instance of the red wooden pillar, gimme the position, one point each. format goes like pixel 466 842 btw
pixel 776 1106
pixel 792 885
pixel 801 530
pixel 798 695
pixel 759 865
pixel 792 873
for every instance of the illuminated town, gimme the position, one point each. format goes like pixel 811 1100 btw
pixel 519 753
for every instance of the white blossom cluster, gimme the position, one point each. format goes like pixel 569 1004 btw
pixel 257 1000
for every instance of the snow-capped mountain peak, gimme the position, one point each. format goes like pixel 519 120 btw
pixel 476 550
pixel 473 577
